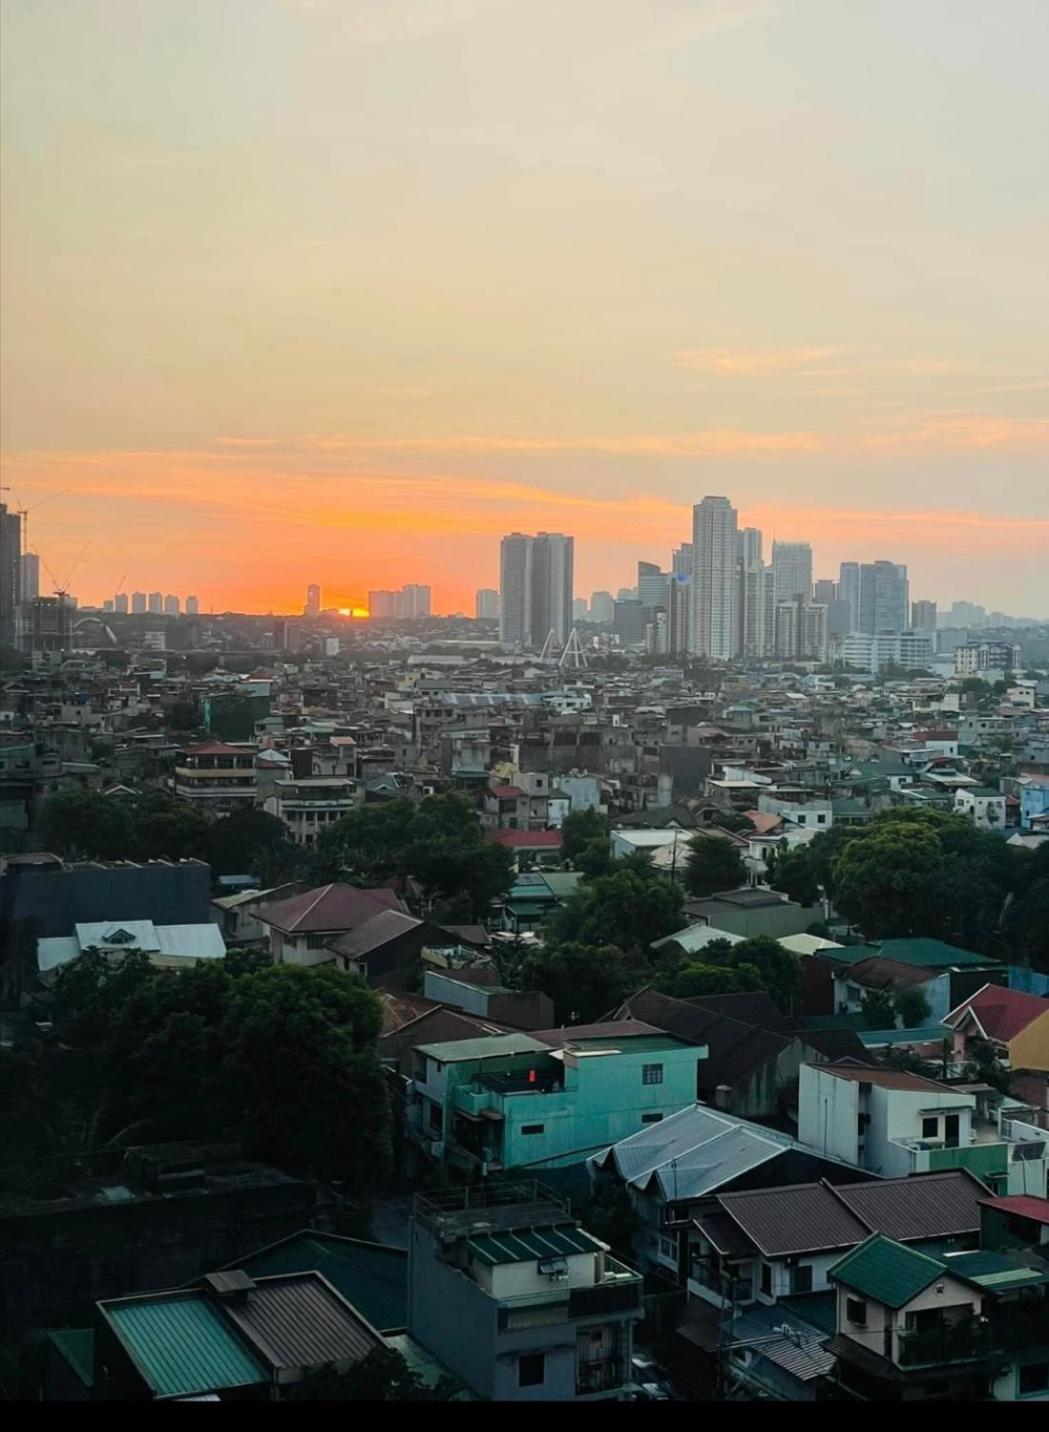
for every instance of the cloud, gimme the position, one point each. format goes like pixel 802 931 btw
pixel 746 362
pixel 391 22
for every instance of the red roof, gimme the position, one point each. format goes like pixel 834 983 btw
pixel 506 793
pixel 1002 1013
pixel 328 909
pixel 527 839
pixel 1024 1204
pixel 215 748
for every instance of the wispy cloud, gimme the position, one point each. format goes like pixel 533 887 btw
pixel 745 362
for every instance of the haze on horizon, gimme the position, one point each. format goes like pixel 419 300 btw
pixel 343 290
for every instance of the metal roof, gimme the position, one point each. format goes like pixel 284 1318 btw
pixel 798 1218
pixel 181 1344
pixel 934 1205
pixel 490 1047
pixel 802 1356
pixel 522 1247
pixel 370 1276
pixel 299 1320
pixel 886 1271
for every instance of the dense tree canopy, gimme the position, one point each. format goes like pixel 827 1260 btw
pixel 252 842
pixel 793 874
pixel 580 829
pixel 86 824
pixel 629 908
pixel 713 863
pixel 584 981
pixel 725 968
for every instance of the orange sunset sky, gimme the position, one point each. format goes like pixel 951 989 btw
pixel 343 290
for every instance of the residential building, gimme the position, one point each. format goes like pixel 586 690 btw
pixel 302 930
pixel 957 1326
pixel 138 603
pixel 172 946
pixel 171 605
pixel 849 593
pixel 11 593
pixel 515 590
pixel 486 604
pixel 539 847
pixel 216 777
pixel 1015 1024
pixel 120 603
pixel 192 606
pixel 545 1099
pixel 156 603
pixel 517 1299
pixel 983 805
pixel 923 616
pixel 552 585
pixel 30 576
pixel 309 805
pixel 714 580
pixel 883 597
pixel 602 608
pixel 977 657
pixel 792 564
pixel 45 625
pixel 313 600
pixel 416 600
pixel 825 591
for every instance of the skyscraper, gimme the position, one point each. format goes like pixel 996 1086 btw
pixel 849 592
pixel 313 600
pixel 552 586
pixel 138 603
pixel 10 572
pixel 30 576
pixel 192 607
pixel 486 604
pixel 714 586
pixel 923 616
pixel 884 594
pixel 825 591
pixel 171 605
pixel 120 603
pixel 749 547
pixel 602 607
pixel 416 600
pixel 792 563
pixel 651 586
pixel 156 603
pixel 515 589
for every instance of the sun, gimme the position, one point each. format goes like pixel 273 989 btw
pixel 353 611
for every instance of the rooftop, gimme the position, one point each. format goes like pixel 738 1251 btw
pixel 328 909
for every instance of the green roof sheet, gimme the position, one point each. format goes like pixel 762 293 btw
pixel 930 953
pixel 77 1346
pixel 997 1271
pixel 533 1244
pixel 370 1276
pixel 488 1046
pixel 181 1345
pixel 886 1271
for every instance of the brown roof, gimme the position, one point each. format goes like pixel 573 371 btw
pixel 763 821
pixel 798 1218
pixel 884 1078
pixel 735 1049
pixel 380 929
pixel 608 1029
pixel 1001 1013
pixel 925 1205
pixel 879 972
pixel 216 748
pixel 299 1320
pixel 328 909
pixel 400 1009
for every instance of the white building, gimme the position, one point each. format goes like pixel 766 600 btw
pixel 984 806
pixel 714 582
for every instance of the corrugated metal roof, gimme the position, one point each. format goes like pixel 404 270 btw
pixel 200 942
pixel 886 1271
pixel 181 1344
pixel 798 1218
pixel 522 1247
pixel 298 1320
pixel 802 1356
pixel 370 1276
pixel 934 1205
pixel 490 1047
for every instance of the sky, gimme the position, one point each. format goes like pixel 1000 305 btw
pixel 343 290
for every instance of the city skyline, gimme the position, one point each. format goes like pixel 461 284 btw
pixel 359 312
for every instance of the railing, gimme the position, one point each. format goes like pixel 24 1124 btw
pixel 603 1375
pixel 968 1342
pixel 519 1083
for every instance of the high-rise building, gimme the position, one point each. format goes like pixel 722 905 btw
pixel 923 616
pixel 651 586
pixel 30 576
pixel 156 603
pixel 714 584
pixel 486 604
pixel 313 600
pixel 171 605
pixel 758 593
pixel 10 572
pixel 107 605
pixel 849 592
pixel 602 608
pixel 749 547
pixel 515 590
pixel 416 600
pixel 884 602
pixel 824 591
pixel 552 587
pixel 580 609
pixel 120 603
pixel 45 625
pixel 629 623
pixel 138 603
pixel 192 607
pixel 385 606
pixel 792 563
pixel 801 631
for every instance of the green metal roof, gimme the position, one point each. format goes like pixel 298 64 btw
pixel 370 1276
pixel 77 1346
pixel 930 954
pixel 886 1271
pixel 181 1345
pixel 997 1271
pixel 536 1243
pixel 489 1046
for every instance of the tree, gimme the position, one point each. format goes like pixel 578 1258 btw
pixel 579 829
pixel 878 1009
pixel 382 1376
pixel 713 863
pixel 594 859
pixel 628 909
pixel 247 839
pixel 584 981
pixel 184 716
pixel 911 1007
pixel 79 822
pixel 694 980
pixel 175 831
pixel 793 874
pixel 610 1215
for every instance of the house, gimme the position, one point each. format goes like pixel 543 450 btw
pixel 517 1299
pixel 386 949
pixel 960 1326
pixel 521 804
pixel 238 1337
pixel 895 1123
pixel 171 946
pixel 550 1098
pixel 1016 1024
pixel 541 847
pixel 533 896
pixel 235 914
pixel 753 910
pixel 215 777
pixel 308 806
pixel 673 1168
pixel 302 929
pixel 480 992
pixel 953 973
pixel 983 805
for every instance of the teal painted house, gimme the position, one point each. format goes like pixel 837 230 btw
pixel 545 1100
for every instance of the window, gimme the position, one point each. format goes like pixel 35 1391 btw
pixel 930 1128
pixel 651 1073
pixel 856 1311
pixel 531 1369
pixel 801 1279
pixel 651 1118
pixel 766 1280
pixel 533 1129
pixel 1034 1378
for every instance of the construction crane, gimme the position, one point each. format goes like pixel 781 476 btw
pixel 24 512
pixel 62 588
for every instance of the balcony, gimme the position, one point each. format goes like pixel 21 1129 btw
pixel 966 1342
pixel 616 1290
pixel 604 1375
pixel 525 1081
